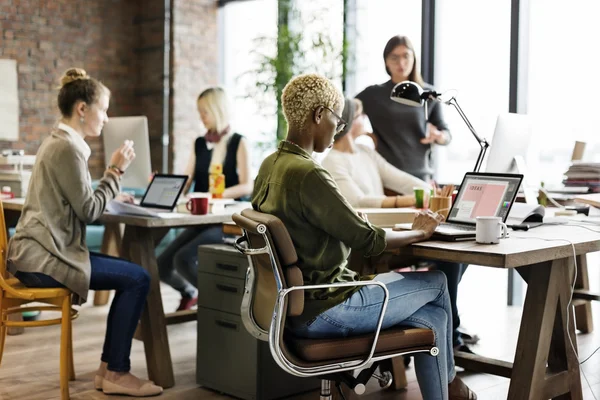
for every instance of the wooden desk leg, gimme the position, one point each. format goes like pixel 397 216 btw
pixel 543 338
pixel 583 312
pixel 139 243
pixel 111 245
pixel 396 367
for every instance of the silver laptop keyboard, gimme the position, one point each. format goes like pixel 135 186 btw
pixel 458 227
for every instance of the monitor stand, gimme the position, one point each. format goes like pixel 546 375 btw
pixel 530 190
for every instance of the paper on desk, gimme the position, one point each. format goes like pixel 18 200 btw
pixel 523 212
pixel 121 208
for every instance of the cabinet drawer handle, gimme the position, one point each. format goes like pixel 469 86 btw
pixel 226 324
pixel 227 267
pixel 226 288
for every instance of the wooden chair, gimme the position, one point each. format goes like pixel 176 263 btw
pixel 274 290
pixel 13 294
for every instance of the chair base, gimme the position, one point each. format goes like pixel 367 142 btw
pixel 357 383
pixel 325 390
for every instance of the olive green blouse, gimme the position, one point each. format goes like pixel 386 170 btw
pixel 323 226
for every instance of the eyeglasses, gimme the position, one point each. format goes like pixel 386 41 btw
pixel 341 123
pixel 396 58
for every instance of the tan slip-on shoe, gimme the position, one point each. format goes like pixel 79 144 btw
pixel 146 390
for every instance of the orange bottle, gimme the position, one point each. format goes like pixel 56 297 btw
pixel 216 181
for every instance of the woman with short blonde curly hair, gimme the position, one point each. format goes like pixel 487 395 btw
pixel 304 94
pixel 323 226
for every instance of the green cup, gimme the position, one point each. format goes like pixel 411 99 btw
pixel 421 197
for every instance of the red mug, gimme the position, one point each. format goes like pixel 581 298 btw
pixel 198 205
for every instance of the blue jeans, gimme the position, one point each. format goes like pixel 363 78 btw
pixel 454 273
pixel 418 299
pixel 131 283
pixel 178 263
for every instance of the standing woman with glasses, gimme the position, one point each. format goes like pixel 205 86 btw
pixel 402 138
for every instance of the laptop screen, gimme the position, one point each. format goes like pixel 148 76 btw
pixel 163 191
pixel 484 195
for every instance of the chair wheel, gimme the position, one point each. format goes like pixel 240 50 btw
pixel 386 380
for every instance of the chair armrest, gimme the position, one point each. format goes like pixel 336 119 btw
pixel 13 292
pixel 248 251
pixel 277 324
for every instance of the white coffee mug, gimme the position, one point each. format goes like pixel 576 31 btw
pixel 489 230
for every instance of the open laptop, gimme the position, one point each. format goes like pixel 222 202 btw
pixel 161 196
pixel 480 195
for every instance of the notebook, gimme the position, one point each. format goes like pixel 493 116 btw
pixel 161 196
pixel 480 195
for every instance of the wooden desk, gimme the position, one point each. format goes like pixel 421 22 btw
pixel 388 217
pixel 382 217
pixel 545 365
pixel 141 235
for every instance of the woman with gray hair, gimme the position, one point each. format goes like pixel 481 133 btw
pixel 361 173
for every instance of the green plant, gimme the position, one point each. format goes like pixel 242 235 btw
pixel 292 52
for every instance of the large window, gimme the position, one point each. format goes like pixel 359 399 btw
pixel 322 25
pixel 243 25
pixel 472 55
pixel 376 22
pixel 249 37
pixel 563 82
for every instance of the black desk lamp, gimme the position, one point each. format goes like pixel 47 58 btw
pixel 411 94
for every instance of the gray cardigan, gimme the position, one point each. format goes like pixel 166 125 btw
pixel 50 235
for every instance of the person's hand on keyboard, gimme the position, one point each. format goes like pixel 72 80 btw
pixel 125 198
pixel 426 222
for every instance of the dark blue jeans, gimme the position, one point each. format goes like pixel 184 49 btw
pixel 178 263
pixel 131 283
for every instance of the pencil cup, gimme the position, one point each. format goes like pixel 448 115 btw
pixel 440 205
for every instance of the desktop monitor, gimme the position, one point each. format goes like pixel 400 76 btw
pixel 511 151
pixel 512 138
pixel 115 132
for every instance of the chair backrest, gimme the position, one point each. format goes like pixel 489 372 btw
pixel 270 271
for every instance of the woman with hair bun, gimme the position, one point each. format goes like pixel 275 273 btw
pixel 49 249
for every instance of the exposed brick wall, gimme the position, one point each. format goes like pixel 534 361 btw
pixel 47 37
pixel 120 42
pixel 194 68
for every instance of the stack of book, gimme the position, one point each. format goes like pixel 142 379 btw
pixel 583 174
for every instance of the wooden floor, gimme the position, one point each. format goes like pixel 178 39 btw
pixel 30 366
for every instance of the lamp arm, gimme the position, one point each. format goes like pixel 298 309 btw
pixel 481 156
pixel 453 102
pixel 482 142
